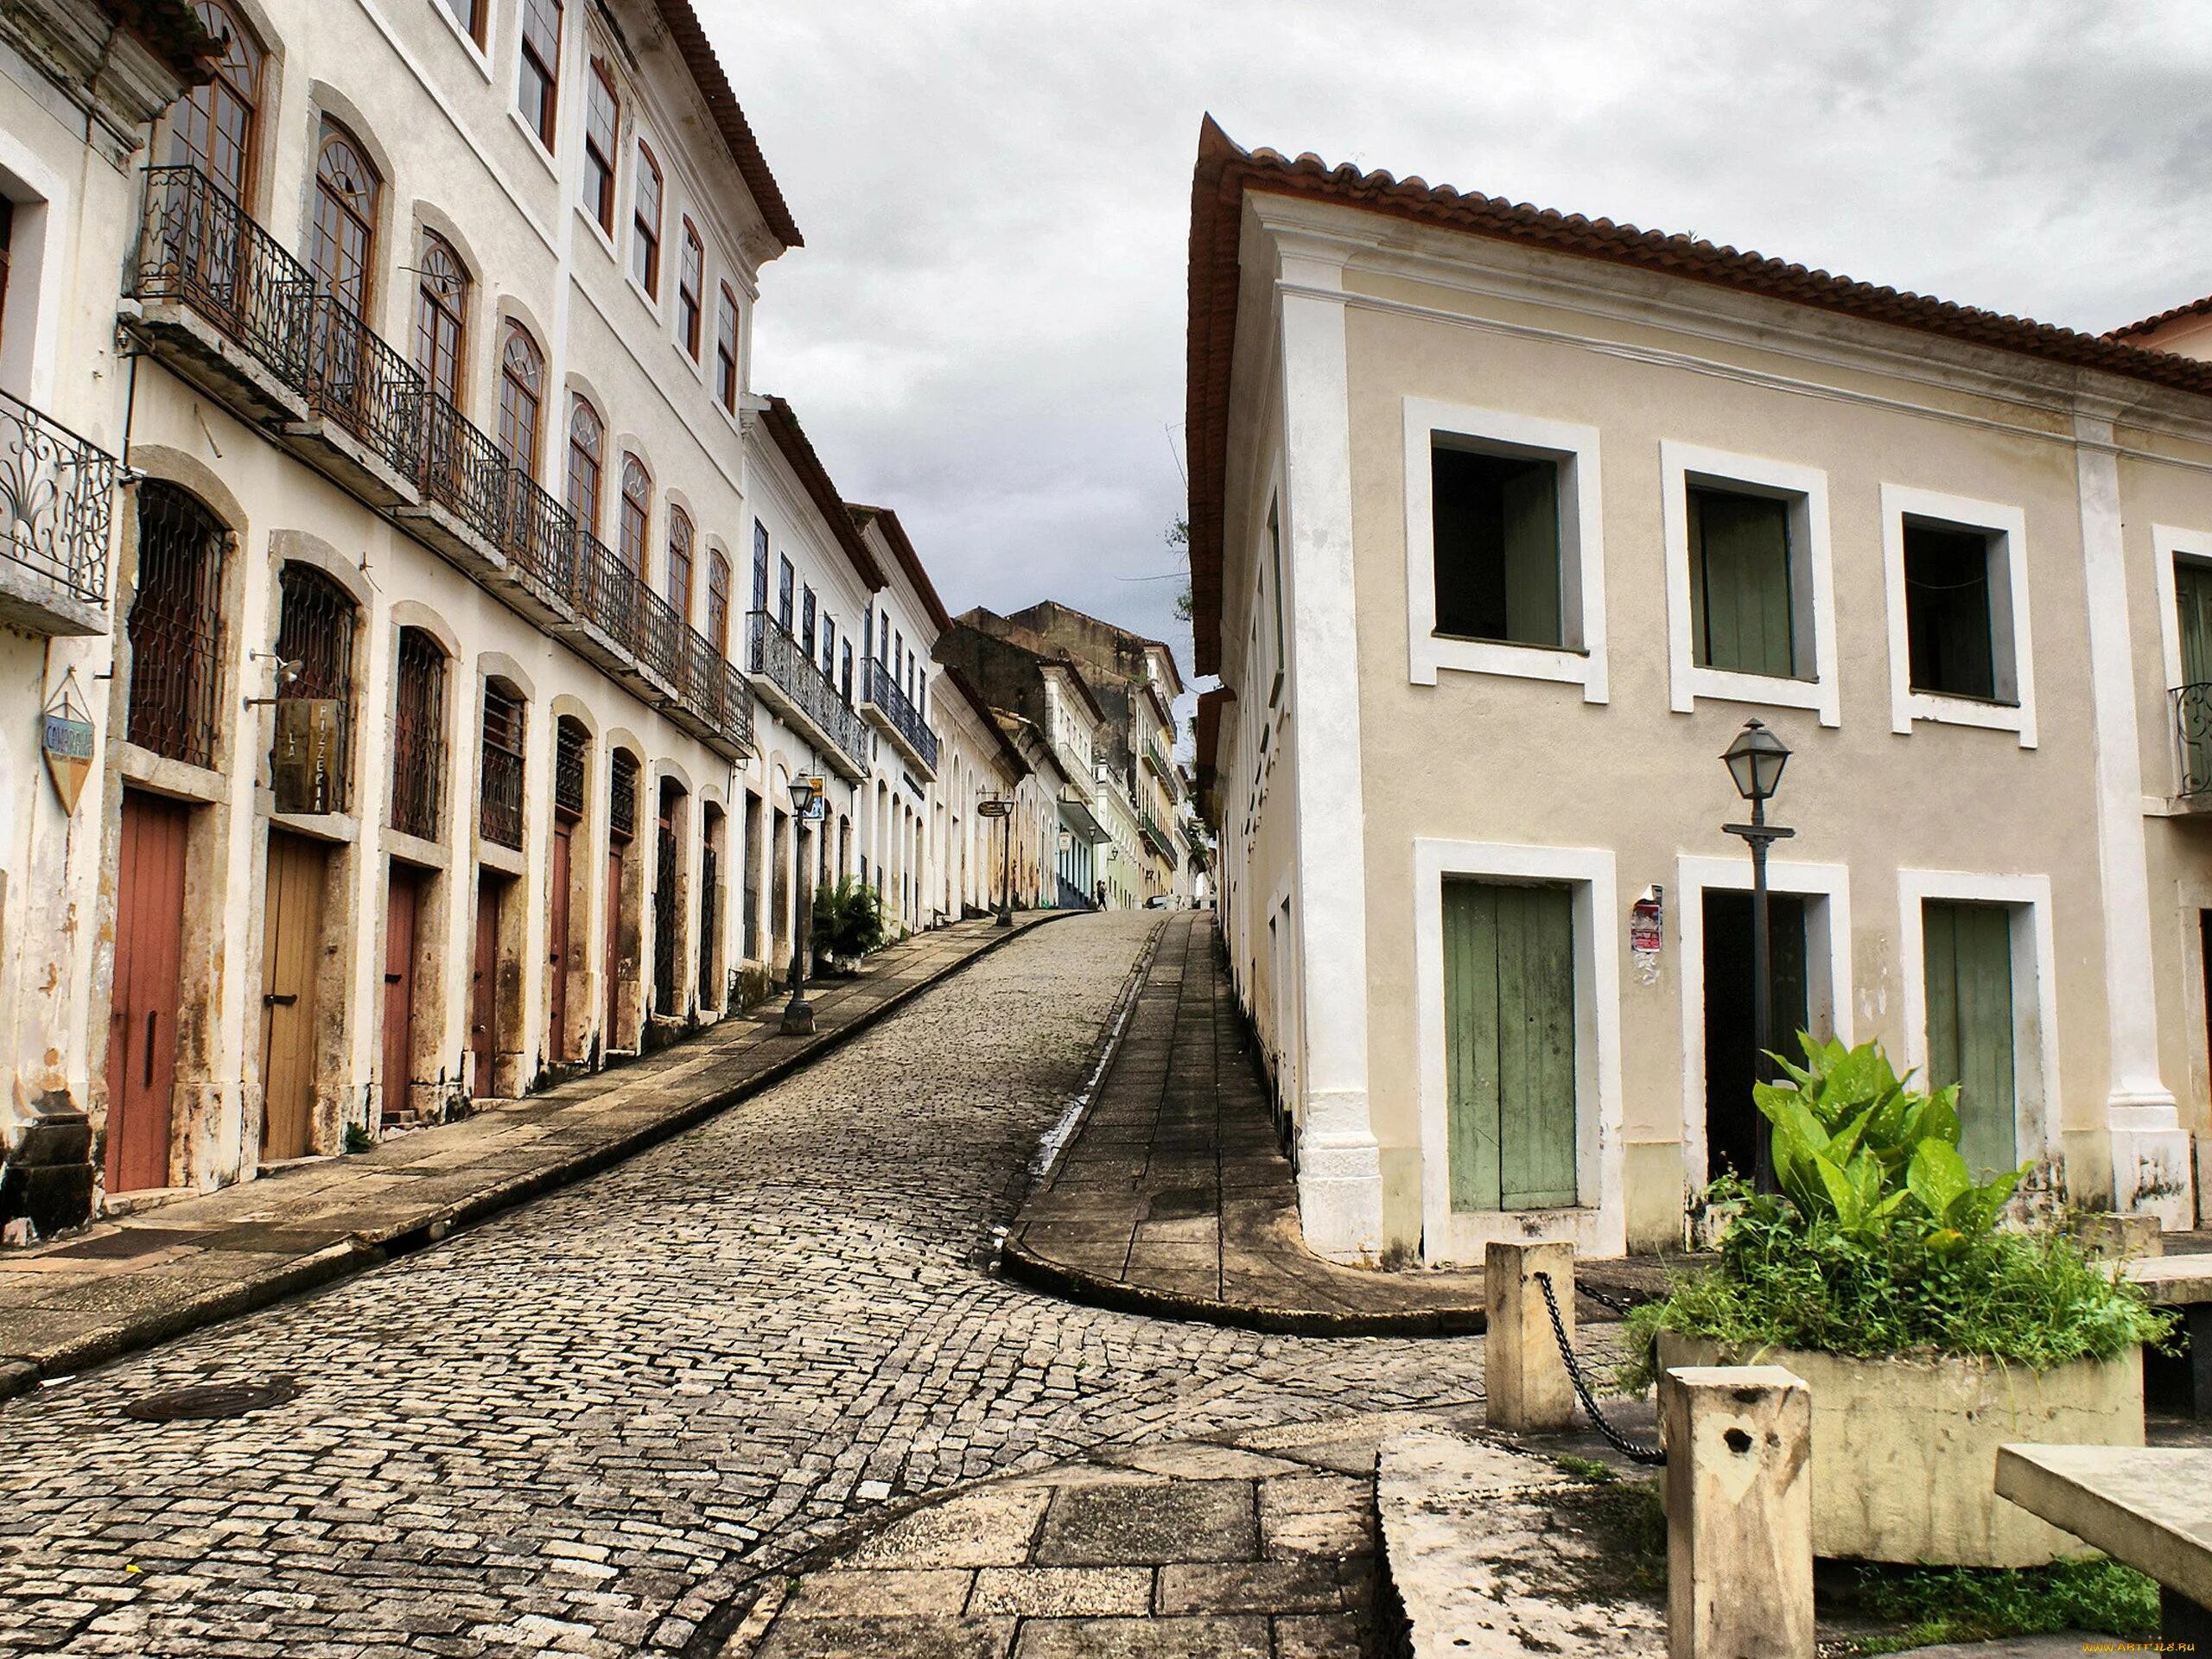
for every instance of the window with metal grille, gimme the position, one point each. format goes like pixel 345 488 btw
pixel 176 625
pixel 622 795
pixel 571 750
pixel 645 223
pixel 502 790
pixel 691 288
pixel 602 120
pixel 710 992
pixel 539 94
pixel 418 737
pixel 668 899
pixel 310 764
pixel 726 350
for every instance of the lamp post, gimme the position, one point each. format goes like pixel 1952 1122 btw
pixel 807 802
pixel 1755 761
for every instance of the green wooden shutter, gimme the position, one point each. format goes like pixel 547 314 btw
pixel 1528 516
pixel 1509 1059
pixel 1740 583
pixel 2193 594
pixel 1969 950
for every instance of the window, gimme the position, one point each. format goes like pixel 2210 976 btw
pixel 522 388
pixel 602 120
pixel 846 686
pixel 785 576
pixel 679 561
pixel 1497 537
pixel 499 805
pixel 213 129
pixel 587 443
pixel 1274 579
pixel 341 247
pixel 440 314
pixel 828 648
pixel 418 737
pixel 310 762
pixel 538 95
pixel 1947 610
pixel 806 622
pixel 725 351
pixel 637 516
pixel 690 284
pixel 759 566
pixel 1741 599
pixel 718 602
pixel 469 14
pixel 176 625
pixel 644 244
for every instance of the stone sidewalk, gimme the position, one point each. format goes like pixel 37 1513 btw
pixel 1174 1198
pixel 126 1284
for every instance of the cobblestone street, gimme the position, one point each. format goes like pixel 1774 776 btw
pixel 587 1425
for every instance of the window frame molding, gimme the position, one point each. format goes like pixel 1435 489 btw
pixel 1966 513
pixel 479 52
pixel 1574 447
pixel 1596 1223
pixel 1806 491
pixel 2035 1065
pixel 2169 546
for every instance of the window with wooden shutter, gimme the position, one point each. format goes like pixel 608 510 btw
pixel 1741 583
pixel 1967 951
pixel 1951 643
pixel 1510 1045
pixel 1496 525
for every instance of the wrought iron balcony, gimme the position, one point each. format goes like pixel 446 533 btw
pixel 1156 758
pixel 58 495
pixel 2192 706
pixel 890 713
pixel 1153 832
pixel 1078 771
pixel 785 677
pixel 199 248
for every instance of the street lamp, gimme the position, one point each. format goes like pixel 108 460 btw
pixel 808 802
pixel 1755 761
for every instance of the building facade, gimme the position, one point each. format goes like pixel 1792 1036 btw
pixel 1503 524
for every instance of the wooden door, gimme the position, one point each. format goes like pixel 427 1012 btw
pixel 556 945
pixel 612 970
pixel 291 951
pixel 484 987
pixel 1733 1122
pixel 141 1013
pixel 1509 1045
pixel 1968 949
pixel 401 933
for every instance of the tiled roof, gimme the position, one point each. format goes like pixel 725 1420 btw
pixel 909 561
pixel 966 687
pixel 1225 172
pixel 729 120
pixel 791 439
pixel 2194 309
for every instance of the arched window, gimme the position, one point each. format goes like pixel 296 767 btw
pixel 311 766
pixel 441 314
pixel 718 603
pixel 637 515
pixel 522 392
pixel 176 625
pixel 499 799
pixel 213 129
pixel 418 740
pixel 587 443
pixel 679 561
pixel 341 252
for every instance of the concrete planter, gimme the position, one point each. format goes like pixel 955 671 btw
pixel 1904 1451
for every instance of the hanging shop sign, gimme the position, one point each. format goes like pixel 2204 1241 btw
pixel 67 743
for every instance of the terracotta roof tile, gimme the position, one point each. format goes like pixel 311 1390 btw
pixel 2194 309
pixel 729 120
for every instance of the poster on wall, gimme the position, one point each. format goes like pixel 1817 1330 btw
pixel 1647 933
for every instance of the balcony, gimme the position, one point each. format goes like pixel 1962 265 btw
pixel 1157 758
pixel 227 308
pixel 887 709
pixel 2192 707
pixel 1156 834
pixel 785 678
pixel 1080 781
pixel 58 495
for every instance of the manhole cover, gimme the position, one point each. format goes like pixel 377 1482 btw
pixel 210 1400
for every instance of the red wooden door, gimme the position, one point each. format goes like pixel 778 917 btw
pixel 612 967
pixel 400 933
pixel 556 946
pixel 141 1013
pixel 484 987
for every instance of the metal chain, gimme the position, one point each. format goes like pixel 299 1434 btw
pixel 1630 1449
pixel 1617 1304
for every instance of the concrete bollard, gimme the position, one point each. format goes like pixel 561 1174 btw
pixel 2121 1237
pixel 1524 1377
pixel 1740 1512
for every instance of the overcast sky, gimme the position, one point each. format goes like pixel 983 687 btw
pixel 985 328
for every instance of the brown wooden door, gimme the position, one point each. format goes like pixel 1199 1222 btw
pixel 401 934
pixel 613 963
pixel 292 948
pixel 484 987
pixel 556 946
pixel 141 1013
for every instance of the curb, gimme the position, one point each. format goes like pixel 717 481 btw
pixel 21 1374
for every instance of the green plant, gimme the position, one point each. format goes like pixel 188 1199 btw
pixel 1980 1605
pixel 848 919
pixel 358 1138
pixel 1882 1243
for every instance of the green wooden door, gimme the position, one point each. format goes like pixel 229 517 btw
pixel 2193 598
pixel 1740 583
pixel 1508 1006
pixel 1969 960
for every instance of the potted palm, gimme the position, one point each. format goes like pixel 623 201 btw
pixel 848 924
pixel 1930 1327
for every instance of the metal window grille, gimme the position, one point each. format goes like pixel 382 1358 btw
pixel 622 795
pixel 502 792
pixel 176 626
pixel 571 746
pixel 311 762
pixel 709 919
pixel 418 745
pixel 665 903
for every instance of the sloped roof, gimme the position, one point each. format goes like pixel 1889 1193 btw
pixel 729 120
pixel 782 425
pixel 909 561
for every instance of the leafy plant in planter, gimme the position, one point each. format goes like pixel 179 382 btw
pixel 847 921
pixel 1882 1243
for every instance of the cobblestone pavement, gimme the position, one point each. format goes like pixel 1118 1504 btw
pixel 587 1424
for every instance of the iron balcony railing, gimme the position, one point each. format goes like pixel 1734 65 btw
pixel 502 800
pixel 58 495
pixel 1156 833
pixel 1078 771
pixel 773 655
pixel 2192 707
pixel 199 248
pixel 1157 757
pixel 881 690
